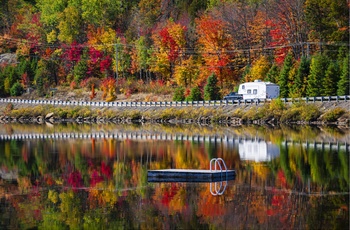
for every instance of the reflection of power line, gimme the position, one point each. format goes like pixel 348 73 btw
pixel 293 192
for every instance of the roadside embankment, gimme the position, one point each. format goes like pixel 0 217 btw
pixel 275 112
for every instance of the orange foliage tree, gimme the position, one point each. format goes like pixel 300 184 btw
pixel 215 46
pixel 108 87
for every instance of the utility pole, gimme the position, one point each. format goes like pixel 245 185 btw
pixel 116 62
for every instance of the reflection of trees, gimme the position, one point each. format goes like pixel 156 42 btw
pixel 329 211
pixel 103 183
pixel 326 169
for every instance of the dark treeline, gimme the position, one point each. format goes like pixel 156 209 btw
pixel 302 45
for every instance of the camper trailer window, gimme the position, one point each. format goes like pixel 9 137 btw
pixel 249 91
pixel 255 91
pixel 243 87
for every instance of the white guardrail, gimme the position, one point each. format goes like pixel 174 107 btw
pixel 171 103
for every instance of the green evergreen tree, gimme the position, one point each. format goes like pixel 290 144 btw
pixel 318 69
pixel 11 77
pixel 179 94
pixel 80 70
pixel 33 67
pixel 272 74
pixel 246 73
pixel 283 77
pixel 211 90
pixel 291 78
pixel 40 79
pixel 343 84
pixel 301 76
pixel 2 84
pixel 195 95
pixel 330 80
pixel 27 67
pixel 21 67
pixel 16 89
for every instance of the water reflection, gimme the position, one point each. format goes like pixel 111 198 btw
pixel 296 178
pixel 218 188
pixel 258 150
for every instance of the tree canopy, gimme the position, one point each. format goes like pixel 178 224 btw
pixel 179 42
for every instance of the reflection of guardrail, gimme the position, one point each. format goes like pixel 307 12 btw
pixel 172 137
pixel 171 103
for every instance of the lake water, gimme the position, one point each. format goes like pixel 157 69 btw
pixel 94 176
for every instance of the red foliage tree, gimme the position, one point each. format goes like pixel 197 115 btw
pixel 278 40
pixel 75 179
pixel 71 55
pixel 169 43
pixel 105 64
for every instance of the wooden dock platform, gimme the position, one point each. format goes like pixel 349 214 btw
pixel 190 175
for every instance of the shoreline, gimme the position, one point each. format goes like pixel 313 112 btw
pixel 321 114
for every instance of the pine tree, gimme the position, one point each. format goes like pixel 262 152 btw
pixel 80 70
pixel 291 78
pixel 33 68
pixel 330 80
pixel 211 90
pixel 11 77
pixel 318 69
pixel 195 94
pixel 179 94
pixel 246 73
pixel 16 89
pixel 300 78
pixel 283 77
pixel 2 84
pixel 41 78
pixel 272 75
pixel 343 84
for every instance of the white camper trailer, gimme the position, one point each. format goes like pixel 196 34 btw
pixel 259 90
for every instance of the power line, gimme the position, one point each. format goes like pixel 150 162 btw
pixel 186 50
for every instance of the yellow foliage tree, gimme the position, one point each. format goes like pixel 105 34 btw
pixel 102 38
pixel 259 69
pixel 186 73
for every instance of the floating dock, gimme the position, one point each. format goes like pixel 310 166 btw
pixel 190 175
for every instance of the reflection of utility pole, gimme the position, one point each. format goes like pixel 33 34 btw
pixel 116 62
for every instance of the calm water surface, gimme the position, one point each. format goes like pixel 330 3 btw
pixel 80 176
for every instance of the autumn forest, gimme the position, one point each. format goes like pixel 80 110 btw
pixel 130 46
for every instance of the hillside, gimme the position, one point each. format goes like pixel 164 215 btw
pixel 126 46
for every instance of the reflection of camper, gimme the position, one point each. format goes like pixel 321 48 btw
pixel 257 150
pixel 259 90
